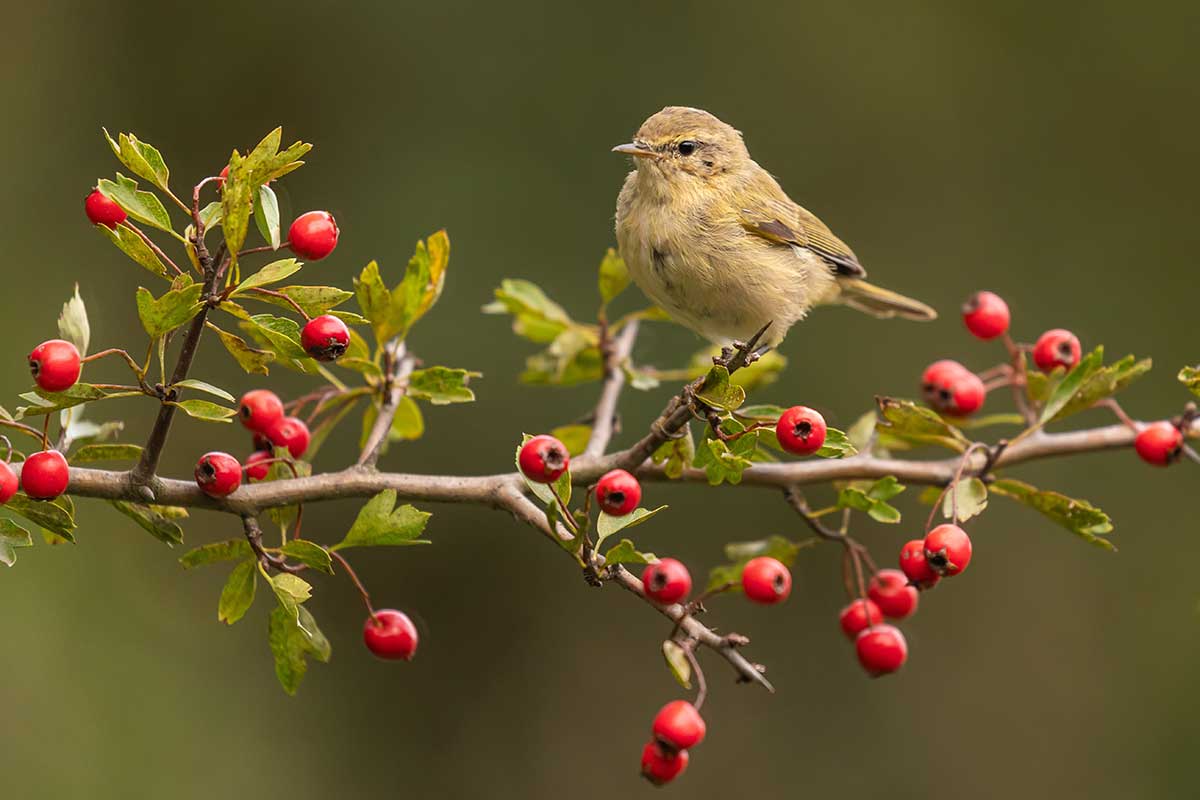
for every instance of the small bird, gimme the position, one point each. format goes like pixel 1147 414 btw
pixel 712 239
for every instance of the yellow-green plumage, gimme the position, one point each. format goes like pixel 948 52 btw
pixel 711 237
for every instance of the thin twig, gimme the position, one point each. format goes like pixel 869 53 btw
pixel 401 365
pixel 614 380
pixel 362 590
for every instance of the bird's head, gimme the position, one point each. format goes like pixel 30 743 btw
pixel 680 143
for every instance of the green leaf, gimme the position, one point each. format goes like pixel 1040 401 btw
pixel 263 164
pixel 142 206
pixel 91 453
pixel 1104 382
pixel 676 454
pixel 677 662
pixel 1190 377
pixel 238 594
pixel 12 536
pixel 837 445
pixel 141 158
pixel 168 312
pixel 885 488
pixel 543 491
pixel 281 336
pixel 740 553
pixel 719 392
pixel 873 499
pixel 132 245
pixel 407 423
pixel 535 316
pixel 203 409
pixel 293 636
pixel 607 524
pixel 915 424
pixel 271 273
pixel 315 300
pixel 215 552
pixel 572 358
pixel 266 215
pixel 574 437
pixel 308 553
pixel 1078 516
pixel 971 497
pixel 1071 384
pixel 153 522
pixel 762 372
pixel 988 420
pixel 614 276
pixel 375 300
pixel 380 522
pixel 73 323
pixel 291 590
pixel 623 552
pixel 442 385
pixel 43 402
pixel 392 313
pixel 211 215
pixel 723 462
pixel 252 360
pixel 201 386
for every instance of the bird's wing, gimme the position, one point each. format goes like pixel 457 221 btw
pixel 789 224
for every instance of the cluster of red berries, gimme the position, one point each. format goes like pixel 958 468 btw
pixel 881 648
pixel 677 728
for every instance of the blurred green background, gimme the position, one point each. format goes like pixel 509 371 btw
pixel 1046 151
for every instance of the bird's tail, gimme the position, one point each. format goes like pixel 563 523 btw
pixel 881 303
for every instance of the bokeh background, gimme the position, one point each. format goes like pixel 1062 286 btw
pixel 1046 151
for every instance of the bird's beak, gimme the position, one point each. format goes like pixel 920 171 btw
pixel 636 150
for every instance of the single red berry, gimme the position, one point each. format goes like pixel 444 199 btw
pixel 325 338
pixel 1159 443
pixel 660 766
pixel 618 493
pixel 986 315
pixel 260 409
pixel 543 459
pixel 881 649
pixel 859 615
pixel 9 483
pixel 938 373
pixel 218 474
pixel 678 725
pixel 255 469
pixel 44 475
pixel 915 566
pixel 890 590
pixel 103 211
pixel 313 235
pixel 55 365
pixel 667 581
pixel 800 430
pixel 948 549
pixel 1056 348
pixel 391 634
pixel 952 389
pixel 292 433
pixel 766 580
pixel 223 176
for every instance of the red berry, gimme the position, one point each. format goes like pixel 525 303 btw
pixel 1056 348
pixel 618 493
pixel 666 581
pixel 259 410
pixel 678 725
pixel 952 389
pixel 948 550
pixel 313 235
pixel 261 442
pixel 223 176
pixel 890 590
pixel 915 566
pixel 881 649
pixel 391 634
pixel 800 430
pixel 255 469
pixel 55 365
pixel 1159 443
pixel 9 483
pixel 859 615
pixel 218 474
pixel 543 459
pixel 986 315
pixel 325 338
pixel 766 580
pixel 661 766
pixel 44 475
pixel 292 433
pixel 103 211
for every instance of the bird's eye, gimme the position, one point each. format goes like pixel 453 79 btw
pixel 687 147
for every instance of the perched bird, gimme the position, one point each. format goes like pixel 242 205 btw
pixel 711 237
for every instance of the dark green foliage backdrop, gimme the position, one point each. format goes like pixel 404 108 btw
pixel 1044 151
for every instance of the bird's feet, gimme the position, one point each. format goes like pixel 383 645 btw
pixel 743 354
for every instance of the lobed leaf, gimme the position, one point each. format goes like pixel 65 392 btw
pixel 719 392
pixel 1078 516
pixel 215 552
pixel 163 315
pixel 141 158
pixel 535 316
pixel 1071 384
pixel 623 552
pixel 908 422
pixel 380 522
pixel 308 553
pixel 141 205
pixel 12 536
pixel 132 245
pixel 442 385
pixel 969 497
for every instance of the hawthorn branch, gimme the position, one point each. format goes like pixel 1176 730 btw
pixel 614 381
pixel 400 367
